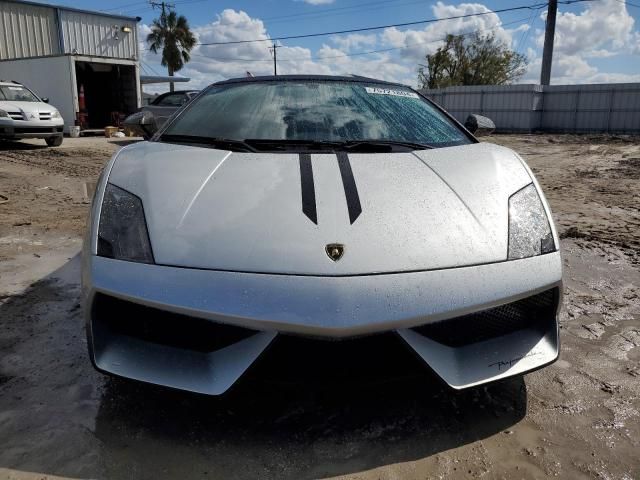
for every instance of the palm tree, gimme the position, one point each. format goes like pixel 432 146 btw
pixel 171 33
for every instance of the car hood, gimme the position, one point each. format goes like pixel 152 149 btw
pixel 253 212
pixel 27 107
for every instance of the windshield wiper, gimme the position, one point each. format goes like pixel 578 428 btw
pixel 384 145
pixel 291 145
pixel 332 145
pixel 288 145
pixel 221 143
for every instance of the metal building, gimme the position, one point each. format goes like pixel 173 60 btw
pixel 85 62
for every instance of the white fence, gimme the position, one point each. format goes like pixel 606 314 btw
pixel 602 108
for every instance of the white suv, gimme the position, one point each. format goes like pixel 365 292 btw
pixel 24 115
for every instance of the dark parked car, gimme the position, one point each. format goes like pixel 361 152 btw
pixel 160 109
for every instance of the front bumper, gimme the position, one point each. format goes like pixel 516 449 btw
pixel 338 308
pixel 31 129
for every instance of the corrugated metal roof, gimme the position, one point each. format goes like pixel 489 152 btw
pixel 73 9
pixel 29 30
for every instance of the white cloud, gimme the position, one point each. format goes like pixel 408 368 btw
pixel 603 24
pixel 210 63
pixel 603 77
pixel 417 43
pixel 601 30
pixel 143 31
pixel 355 40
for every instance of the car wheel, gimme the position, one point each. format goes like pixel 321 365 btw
pixel 54 141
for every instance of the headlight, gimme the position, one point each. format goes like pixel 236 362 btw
pixel 122 233
pixel 3 113
pixel 56 114
pixel 529 228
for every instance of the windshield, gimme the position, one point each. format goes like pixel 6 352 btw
pixel 16 93
pixel 316 111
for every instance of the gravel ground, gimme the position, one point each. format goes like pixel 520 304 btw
pixel 577 418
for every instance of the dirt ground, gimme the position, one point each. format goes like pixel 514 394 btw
pixel 579 418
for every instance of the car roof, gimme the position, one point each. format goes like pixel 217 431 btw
pixel 323 78
pixel 177 91
pixel 6 83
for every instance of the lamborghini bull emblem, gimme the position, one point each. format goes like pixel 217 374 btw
pixel 334 251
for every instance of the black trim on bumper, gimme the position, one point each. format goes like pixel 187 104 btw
pixel 31 132
pixel 531 312
pixel 121 317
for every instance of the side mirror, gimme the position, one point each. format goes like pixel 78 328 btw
pixel 45 99
pixel 479 125
pixel 143 123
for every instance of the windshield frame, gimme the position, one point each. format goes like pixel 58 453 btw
pixel 302 78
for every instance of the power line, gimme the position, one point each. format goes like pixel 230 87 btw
pixel 163 5
pixel 525 35
pixel 144 70
pixel 383 50
pixel 380 27
pixel 188 2
pixel 144 5
pixel 327 12
pixel 149 67
pixel 628 3
pixel 150 5
pixel 125 6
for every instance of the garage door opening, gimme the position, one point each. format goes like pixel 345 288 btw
pixel 110 93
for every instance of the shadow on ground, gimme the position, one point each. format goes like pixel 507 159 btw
pixel 17 145
pixel 123 142
pixel 59 416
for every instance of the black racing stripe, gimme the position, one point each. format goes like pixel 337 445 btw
pixel 350 189
pixel 308 188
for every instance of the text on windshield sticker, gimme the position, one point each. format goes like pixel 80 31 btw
pixel 387 91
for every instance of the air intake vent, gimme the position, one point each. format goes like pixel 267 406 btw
pixel 531 312
pixel 153 325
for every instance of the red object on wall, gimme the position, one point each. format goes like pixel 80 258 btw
pixel 81 104
pixel 83 117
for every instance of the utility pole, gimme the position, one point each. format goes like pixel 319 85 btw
pixel 549 33
pixel 274 49
pixel 163 5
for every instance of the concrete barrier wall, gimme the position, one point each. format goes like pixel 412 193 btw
pixel 601 108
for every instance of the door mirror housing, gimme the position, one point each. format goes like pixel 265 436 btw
pixel 45 99
pixel 479 125
pixel 143 123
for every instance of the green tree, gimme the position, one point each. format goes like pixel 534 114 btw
pixel 171 33
pixel 472 60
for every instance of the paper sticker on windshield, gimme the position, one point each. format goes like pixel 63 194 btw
pixel 15 88
pixel 388 91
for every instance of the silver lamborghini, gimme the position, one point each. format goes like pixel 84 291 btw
pixel 318 211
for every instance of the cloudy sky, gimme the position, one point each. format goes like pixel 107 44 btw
pixel 596 41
